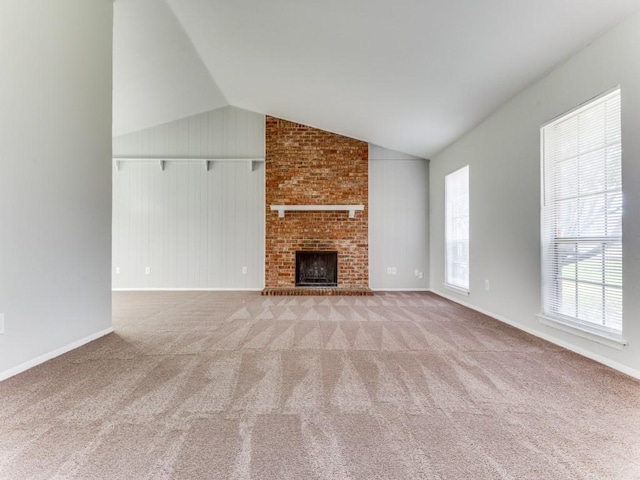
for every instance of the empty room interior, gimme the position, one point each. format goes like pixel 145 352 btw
pixel 320 240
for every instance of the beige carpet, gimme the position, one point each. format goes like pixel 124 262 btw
pixel 240 386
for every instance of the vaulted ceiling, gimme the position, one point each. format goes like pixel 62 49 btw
pixel 410 75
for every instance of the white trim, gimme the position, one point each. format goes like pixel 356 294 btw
pixel 400 289
pixel 205 161
pixel 590 334
pixel 281 209
pixel 561 343
pixel 456 203
pixel 180 159
pixel 51 355
pixel 458 290
pixel 187 289
pixel 583 106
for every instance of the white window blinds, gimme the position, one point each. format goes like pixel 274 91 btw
pixel 582 216
pixel 457 229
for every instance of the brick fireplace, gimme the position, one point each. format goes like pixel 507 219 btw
pixel 311 167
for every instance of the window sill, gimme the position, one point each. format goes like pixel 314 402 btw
pixel 458 290
pixel 584 331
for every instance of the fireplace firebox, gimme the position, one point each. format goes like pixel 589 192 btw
pixel 316 269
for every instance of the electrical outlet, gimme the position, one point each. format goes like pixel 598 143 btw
pixel 486 284
pixel 1 323
pixel 244 270
pixel 392 270
pixel 117 270
pixel 147 270
pixel 421 275
pixel 416 272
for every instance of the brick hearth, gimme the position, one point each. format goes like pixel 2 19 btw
pixel 310 291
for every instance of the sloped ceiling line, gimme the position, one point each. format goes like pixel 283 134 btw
pixel 413 76
pixel 158 74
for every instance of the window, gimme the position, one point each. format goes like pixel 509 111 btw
pixel 456 194
pixel 582 217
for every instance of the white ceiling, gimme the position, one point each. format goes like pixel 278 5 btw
pixel 410 75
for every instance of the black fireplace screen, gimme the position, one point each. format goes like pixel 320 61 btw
pixel 316 269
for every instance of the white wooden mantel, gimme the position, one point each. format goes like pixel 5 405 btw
pixel 306 208
pixel 206 162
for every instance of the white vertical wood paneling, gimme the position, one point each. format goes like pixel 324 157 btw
pixel 193 228
pixel 380 153
pixel 398 219
pixel 226 132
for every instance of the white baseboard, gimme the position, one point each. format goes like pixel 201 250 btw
pixel 55 353
pixel 400 289
pixel 632 372
pixel 187 289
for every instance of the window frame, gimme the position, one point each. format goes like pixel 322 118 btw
pixel 551 240
pixel 459 287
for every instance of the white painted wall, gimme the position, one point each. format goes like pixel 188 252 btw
pixel 398 220
pixel 55 186
pixel 504 158
pixel 193 228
